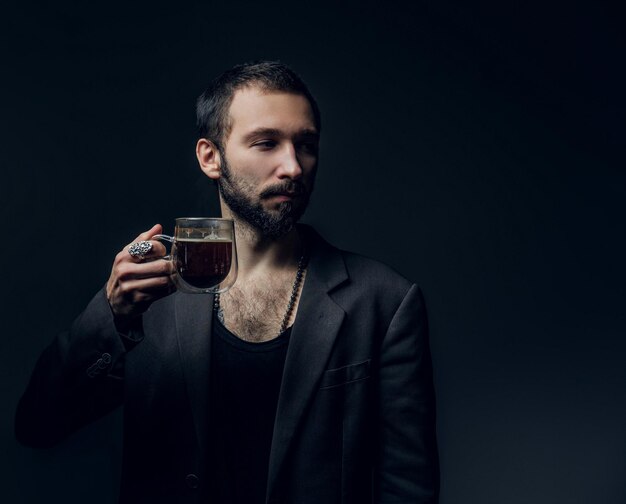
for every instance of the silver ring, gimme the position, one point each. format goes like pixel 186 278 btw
pixel 140 249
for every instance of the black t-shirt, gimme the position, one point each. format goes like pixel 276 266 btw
pixel 245 382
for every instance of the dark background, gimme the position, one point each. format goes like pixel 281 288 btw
pixel 477 147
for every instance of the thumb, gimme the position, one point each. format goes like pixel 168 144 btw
pixel 146 235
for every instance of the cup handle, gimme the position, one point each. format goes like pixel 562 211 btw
pixel 166 238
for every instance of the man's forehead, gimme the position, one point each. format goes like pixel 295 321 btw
pixel 253 108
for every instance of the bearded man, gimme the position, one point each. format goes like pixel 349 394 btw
pixel 308 382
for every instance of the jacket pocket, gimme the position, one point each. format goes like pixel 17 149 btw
pixel 346 374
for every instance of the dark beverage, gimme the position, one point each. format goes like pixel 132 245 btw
pixel 203 263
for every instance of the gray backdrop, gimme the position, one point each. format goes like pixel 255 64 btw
pixel 474 146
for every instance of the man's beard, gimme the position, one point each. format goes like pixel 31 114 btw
pixel 239 195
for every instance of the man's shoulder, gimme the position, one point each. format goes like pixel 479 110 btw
pixel 360 270
pixel 361 266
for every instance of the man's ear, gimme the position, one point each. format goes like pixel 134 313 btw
pixel 209 158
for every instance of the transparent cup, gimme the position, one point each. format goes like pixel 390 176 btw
pixel 204 254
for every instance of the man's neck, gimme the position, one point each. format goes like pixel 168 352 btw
pixel 260 255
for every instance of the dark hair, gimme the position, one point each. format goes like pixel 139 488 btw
pixel 213 105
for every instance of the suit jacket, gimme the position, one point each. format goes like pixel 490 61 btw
pixel 355 416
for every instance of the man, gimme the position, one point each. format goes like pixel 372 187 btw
pixel 309 381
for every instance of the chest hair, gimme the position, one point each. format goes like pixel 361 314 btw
pixel 254 310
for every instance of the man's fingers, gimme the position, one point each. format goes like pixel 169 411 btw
pixel 147 287
pixel 157 250
pixel 136 281
pixel 156 268
pixel 146 235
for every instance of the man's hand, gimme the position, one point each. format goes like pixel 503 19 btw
pixel 135 282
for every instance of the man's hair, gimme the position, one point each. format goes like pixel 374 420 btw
pixel 213 105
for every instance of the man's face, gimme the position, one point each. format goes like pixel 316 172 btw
pixel 269 159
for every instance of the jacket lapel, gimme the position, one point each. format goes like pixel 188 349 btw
pixel 193 322
pixel 312 338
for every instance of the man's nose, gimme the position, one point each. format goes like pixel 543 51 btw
pixel 290 164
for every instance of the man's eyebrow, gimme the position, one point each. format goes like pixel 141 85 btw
pixel 273 132
pixel 308 133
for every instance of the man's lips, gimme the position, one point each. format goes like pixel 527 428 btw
pixel 284 192
pixel 284 196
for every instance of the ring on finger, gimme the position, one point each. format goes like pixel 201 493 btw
pixel 140 249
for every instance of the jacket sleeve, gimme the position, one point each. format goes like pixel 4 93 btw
pixel 77 379
pixel 407 469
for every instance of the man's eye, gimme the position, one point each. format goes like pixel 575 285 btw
pixel 266 144
pixel 309 147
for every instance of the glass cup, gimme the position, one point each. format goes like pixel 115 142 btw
pixel 204 254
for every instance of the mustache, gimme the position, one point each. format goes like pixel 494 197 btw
pixel 291 187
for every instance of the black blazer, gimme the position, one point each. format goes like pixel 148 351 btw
pixel 355 421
